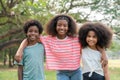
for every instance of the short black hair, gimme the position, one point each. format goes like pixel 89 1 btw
pixel 30 23
pixel 103 33
pixel 51 26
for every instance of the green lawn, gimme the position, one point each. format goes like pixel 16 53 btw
pixel 114 73
pixel 11 74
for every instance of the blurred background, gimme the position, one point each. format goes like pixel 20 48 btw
pixel 13 14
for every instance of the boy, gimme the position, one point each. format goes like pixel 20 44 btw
pixel 31 66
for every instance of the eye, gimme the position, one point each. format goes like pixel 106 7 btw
pixel 29 30
pixel 58 24
pixel 88 36
pixel 94 36
pixel 65 25
pixel 36 31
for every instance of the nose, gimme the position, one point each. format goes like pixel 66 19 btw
pixel 90 38
pixel 33 33
pixel 62 27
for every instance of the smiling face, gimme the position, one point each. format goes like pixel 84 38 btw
pixel 62 29
pixel 91 39
pixel 32 34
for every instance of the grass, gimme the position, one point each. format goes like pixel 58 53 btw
pixel 11 74
pixel 114 73
pixel 8 75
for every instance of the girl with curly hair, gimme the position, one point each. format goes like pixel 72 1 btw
pixel 94 37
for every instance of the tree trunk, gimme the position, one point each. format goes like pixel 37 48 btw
pixel 10 63
pixel 5 58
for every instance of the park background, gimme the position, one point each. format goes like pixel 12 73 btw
pixel 13 14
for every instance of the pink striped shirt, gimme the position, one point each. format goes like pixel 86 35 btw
pixel 62 54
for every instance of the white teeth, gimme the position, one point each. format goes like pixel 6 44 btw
pixel 61 31
pixel 32 37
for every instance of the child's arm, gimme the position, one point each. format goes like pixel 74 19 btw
pixel 20 72
pixel 104 59
pixel 106 72
pixel 19 53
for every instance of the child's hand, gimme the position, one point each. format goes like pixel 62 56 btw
pixel 38 39
pixel 104 60
pixel 18 58
pixel 19 53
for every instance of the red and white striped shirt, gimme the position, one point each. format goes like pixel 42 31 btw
pixel 62 54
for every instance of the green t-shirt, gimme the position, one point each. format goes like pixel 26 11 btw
pixel 33 62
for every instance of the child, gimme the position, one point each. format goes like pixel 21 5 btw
pixel 62 48
pixel 94 37
pixel 31 66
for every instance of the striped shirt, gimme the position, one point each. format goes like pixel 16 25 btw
pixel 62 54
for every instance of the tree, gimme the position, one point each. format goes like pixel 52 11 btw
pixel 13 14
pixel 82 10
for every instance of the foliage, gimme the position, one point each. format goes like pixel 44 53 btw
pixel 13 14
pixel 115 47
pixel 117 32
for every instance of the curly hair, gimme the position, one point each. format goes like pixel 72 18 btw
pixel 103 33
pixel 51 25
pixel 30 23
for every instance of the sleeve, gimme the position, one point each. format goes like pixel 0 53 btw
pixel 20 63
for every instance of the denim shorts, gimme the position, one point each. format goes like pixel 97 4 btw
pixel 94 76
pixel 69 74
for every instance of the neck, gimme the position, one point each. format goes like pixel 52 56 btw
pixel 61 37
pixel 93 47
pixel 31 43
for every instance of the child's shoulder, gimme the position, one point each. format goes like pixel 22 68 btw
pixel 73 38
pixel 48 37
